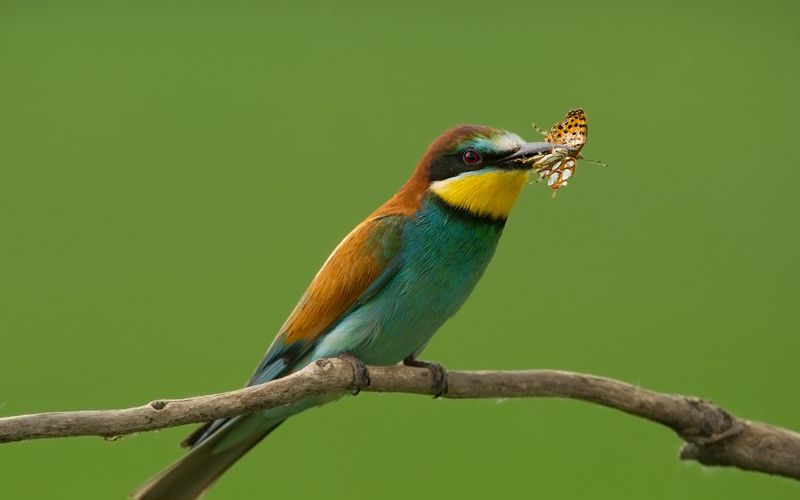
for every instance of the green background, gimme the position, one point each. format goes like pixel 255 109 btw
pixel 173 174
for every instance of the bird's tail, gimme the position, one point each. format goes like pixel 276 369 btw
pixel 196 471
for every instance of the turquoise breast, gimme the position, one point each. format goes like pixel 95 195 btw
pixel 444 253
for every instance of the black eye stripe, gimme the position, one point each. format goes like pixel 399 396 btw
pixel 452 164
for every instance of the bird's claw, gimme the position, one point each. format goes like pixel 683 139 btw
pixel 438 373
pixel 360 372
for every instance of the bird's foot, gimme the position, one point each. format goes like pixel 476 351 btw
pixel 360 372
pixel 437 371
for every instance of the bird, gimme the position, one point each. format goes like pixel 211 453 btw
pixel 383 291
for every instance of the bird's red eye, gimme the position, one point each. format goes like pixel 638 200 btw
pixel 471 157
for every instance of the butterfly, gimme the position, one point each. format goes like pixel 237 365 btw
pixel 559 165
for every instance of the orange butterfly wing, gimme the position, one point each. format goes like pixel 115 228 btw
pixel 572 131
pixel 557 172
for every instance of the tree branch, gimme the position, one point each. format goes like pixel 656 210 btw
pixel 712 435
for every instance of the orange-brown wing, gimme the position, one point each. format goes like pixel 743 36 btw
pixel 572 131
pixel 361 264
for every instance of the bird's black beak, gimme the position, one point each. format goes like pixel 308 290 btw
pixel 520 157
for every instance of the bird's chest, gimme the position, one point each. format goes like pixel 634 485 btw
pixel 444 255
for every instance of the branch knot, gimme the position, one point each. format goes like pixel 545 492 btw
pixel 711 424
pixel 158 405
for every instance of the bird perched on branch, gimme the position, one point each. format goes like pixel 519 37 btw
pixel 383 292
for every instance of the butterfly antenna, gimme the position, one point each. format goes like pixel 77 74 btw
pixel 538 129
pixel 601 163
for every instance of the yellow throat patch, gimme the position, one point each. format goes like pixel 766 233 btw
pixel 486 194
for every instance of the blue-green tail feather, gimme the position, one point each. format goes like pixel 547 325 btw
pixel 196 471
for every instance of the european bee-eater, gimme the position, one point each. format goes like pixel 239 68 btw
pixel 384 290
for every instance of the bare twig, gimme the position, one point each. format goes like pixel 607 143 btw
pixel 712 435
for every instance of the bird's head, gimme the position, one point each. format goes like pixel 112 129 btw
pixel 478 169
